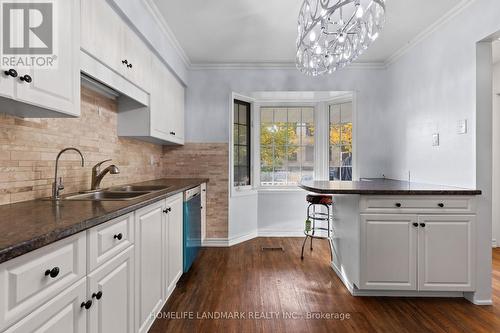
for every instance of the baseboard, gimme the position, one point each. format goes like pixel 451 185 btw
pixel 227 242
pixel 279 233
pixel 493 243
pixel 483 302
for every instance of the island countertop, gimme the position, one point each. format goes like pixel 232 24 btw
pixel 380 186
pixel 29 225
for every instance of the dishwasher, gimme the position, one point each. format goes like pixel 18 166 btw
pixel 191 226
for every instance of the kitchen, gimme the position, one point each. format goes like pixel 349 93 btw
pixel 213 130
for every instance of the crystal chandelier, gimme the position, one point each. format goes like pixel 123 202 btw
pixel 333 33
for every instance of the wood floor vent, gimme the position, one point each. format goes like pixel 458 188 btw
pixel 272 248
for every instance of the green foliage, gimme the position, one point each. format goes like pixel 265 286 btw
pixel 277 135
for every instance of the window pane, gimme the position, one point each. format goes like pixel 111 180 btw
pixel 279 156
pixel 308 116
pixel 335 156
pixel 292 155
pixel 280 175
pixel 235 155
pixel 335 132
pixel 243 176
pixel 334 173
pixel 309 155
pixel 266 156
pixel 294 174
pixel 346 173
pixel 335 114
pixel 242 134
pixel 243 156
pixel 307 173
pixel 294 116
pixel 346 112
pixel 307 135
pixel 282 134
pixel 266 115
pixel 346 134
pixel 243 114
pixel 235 108
pixel 280 115
pixel 346 156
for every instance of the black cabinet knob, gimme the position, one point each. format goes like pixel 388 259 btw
pixel 86 305
pixel 11 72
pixel 119 236
pixel 441 204
pixel 415 224
pixel 52 272
pixel 125 62
pixel 172 133
pixel 398 204
pixel 97 295
pixel 25 78
pixel 422 225
pixel 167 210
pixel 129 65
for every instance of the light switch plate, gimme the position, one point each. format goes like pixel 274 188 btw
pixel 435 139
pixel 462 126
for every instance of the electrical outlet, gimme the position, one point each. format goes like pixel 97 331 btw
pixel 435 139
pixel 462 126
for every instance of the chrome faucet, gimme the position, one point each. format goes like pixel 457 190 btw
pixel 57 185
pixel 98 175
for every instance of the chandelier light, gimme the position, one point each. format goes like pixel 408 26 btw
pixel 333 33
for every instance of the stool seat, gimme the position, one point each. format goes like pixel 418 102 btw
pixel 319 199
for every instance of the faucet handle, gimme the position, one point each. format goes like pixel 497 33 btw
pixel 98 165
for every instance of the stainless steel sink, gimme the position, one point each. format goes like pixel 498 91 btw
pixel 107 196
pixel 138 188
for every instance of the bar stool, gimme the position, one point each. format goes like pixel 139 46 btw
pixel 324 229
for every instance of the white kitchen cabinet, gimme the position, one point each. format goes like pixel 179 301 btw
pixel 173 245
pixel 111 289
pixel 108 38
pixel 149 283
pixel 388 252
pixel 61 314
pixel 446 252
pixel 49 92
pixel 30 280
pixel 167 104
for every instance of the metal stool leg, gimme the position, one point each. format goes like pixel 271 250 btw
pixel 303 244
pixel 313 227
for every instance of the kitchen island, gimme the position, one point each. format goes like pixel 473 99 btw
pixel 396 238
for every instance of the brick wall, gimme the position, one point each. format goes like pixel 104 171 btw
pixel 204 160
pixel 29 148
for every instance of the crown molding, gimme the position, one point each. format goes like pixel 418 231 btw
pixel 457 9
pixel 274 66
pixel 165 28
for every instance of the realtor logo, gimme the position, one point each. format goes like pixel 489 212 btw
pixel 28 33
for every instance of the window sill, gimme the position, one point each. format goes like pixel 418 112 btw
pixel 294 189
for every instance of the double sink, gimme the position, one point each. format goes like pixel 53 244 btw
pixel 119 193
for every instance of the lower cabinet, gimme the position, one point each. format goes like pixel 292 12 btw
pixel 173 245
pixel 149 228
pixel 388 252
pixel 417 252
pixel 111 290
pixel 61 314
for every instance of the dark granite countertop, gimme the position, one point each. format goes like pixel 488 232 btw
pixel 29 225
pixel 381 186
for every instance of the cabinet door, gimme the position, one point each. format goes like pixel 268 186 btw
pixel 446 253
pixel 161 100
pixel 174 241
pixel 61 314
pixel 138 57
pixel 149 283
pixel 388 252
pixel 114 310
pixel 57 89
pixel 178 115
pixel 101 33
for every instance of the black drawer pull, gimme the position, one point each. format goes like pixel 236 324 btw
pixel 415 224
pixel 11 72
pixel 97 295
pixel 172 133
pixel 26 78
pixel 441 204
pixel 52 272
pixel 398 204
pixel 86 305
pixel 129 65
pixel 422 225
pixel 167 210
pixel 119 236
pixel 125 62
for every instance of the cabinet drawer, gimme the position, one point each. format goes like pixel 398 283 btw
pixel 107 240
pixel 423 204
pixel 25 285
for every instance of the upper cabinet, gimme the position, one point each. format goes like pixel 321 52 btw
pixel 51 89
pixel 110 41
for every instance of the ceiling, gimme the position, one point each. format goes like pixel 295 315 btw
pixel 255 31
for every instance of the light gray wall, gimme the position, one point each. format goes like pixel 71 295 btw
pixel 496 154
pixel 209 93
pixel 431 87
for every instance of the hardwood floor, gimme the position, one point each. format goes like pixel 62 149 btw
pixel 258 283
